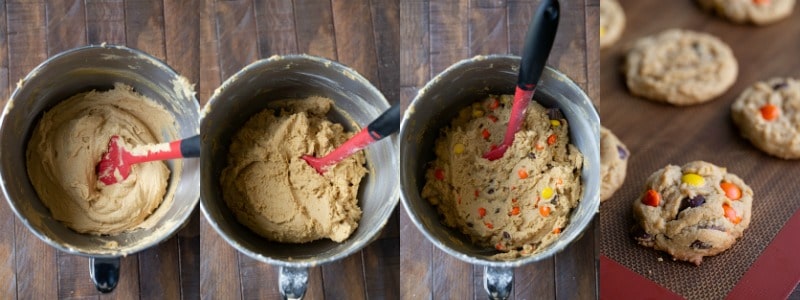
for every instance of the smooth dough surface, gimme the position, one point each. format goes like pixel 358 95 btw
pixel 780 136
pixel 750 11
pixel 612 22
pixel 691 221
pixel 613 163
pixel 277 194
pixel 70 140
pixel 680 67
pixel 518 204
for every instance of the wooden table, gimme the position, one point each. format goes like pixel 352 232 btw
pixel 363 35
pixel 32 31
pixel 436 34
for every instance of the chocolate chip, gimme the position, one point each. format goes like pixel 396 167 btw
pixel 692 202
pixel 554 201
pixel 490 191
pixel 506 235
pixel 469 224
pixel 779 86
pixel 480 125
pixel 531 155
pixel 622 153
pixel 497 210
pixel 697 244
pixel 549 166
pixel 641 236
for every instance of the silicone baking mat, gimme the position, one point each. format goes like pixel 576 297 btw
pixel 659 134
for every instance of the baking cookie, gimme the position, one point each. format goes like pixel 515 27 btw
pixel 768 114
pixel 692 211
pixel 680 67
pixel 612 22
pixel 759 12
pixel 613 163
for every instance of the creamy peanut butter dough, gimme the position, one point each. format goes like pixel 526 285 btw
pixel 70 140
pixel 518 204
pixel 277 194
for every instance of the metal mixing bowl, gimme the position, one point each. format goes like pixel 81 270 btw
pixel 81 70
pixel 435 107
pixel 292 77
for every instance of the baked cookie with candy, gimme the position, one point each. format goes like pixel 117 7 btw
pixel 768 114
pixel 693 211
pixel 758 12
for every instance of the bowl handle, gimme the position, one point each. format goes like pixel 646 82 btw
pixel 498 282
pixel 293 282
pixel 104 273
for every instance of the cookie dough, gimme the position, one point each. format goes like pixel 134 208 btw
pixel 692 211
pixel 518 204
pixel 759 12
pixel 277 194
pixel 680 67
pixel 613 163
pixel 70 140
pixel 768 114
pixel 612 22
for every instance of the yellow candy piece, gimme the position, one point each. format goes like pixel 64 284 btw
pixel 547 193
pixel 555 123
pixel 602 31
pixel 458 148
pixel 477 113
pixel 693 179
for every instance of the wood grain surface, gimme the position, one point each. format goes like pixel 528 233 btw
pixel 364 35
pixel 32 31
pixel 660 134
pixel 435 34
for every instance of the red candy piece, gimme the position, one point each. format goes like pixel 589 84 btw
pixel 439 174
pixel 494 104
pixel 482 212
pixel 730 214
pixel 770 112
pixel 485 133
pixel 732 191
pixel 651 198
pixel 493 118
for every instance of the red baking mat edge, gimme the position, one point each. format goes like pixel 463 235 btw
pixel 618 282
pixel 780 257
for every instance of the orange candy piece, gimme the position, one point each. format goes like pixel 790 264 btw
pixel 557 230
pixel 482 212
pixel 770 112
pixel 762 2
pixel 732 191
pixel 489 225
pixel 493 118
pixel 522 174
pixel 515 211
pixel 651 198
pixel 551 139
pixel 544 210
pixel 730 214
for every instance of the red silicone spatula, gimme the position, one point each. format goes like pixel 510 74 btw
pixel 385 125
pixel 116 163
pixel 538 42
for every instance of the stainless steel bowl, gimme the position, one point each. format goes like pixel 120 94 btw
pixel 439 102
pixel 289 77
pixel 81 70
